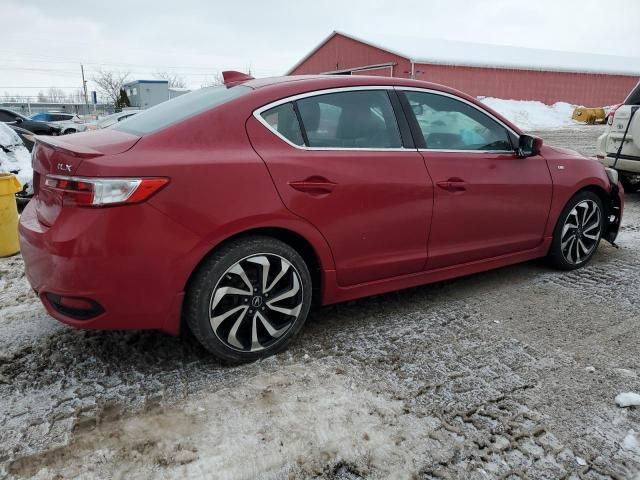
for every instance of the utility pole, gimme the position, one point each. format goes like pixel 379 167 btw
pixel 84 86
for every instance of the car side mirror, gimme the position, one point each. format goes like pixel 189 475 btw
pixel 18 120
pixel 529 146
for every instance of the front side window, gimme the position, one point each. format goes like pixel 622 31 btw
pixel 355 119
pixel 450 124
pixel 283 120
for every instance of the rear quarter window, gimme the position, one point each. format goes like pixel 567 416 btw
pixel 283 120
pixel 179 109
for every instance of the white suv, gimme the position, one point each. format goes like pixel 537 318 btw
pixel 619 145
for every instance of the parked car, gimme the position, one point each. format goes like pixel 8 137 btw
pixel 112 119
pixel 619 146
pixel 68 122
pixel 236 208
pixel 39 128
pixel 15 158
pixel 26 136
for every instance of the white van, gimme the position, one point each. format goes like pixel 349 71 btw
pixel 619 145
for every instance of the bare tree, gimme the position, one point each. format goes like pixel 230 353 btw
pixel 175 81
pixel 216 79
pixel 42 98
pixel 110 83
pixel 56 95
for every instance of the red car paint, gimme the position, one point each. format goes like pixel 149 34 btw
pixel 375 221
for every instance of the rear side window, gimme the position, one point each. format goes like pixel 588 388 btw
pixel 178 109
pixel 449 124
pixel 356 119
pixel 283 120
pixel 59 117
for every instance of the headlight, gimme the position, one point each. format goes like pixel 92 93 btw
pixel 613 175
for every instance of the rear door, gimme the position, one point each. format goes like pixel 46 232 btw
pixel 488 202
pixel 346 163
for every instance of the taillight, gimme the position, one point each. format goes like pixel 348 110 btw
pixel 97 192
pixel 612 113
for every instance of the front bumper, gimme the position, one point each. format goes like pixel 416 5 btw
pixel 126 259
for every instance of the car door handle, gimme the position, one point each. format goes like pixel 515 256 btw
pixel 453 185
pixel 313 185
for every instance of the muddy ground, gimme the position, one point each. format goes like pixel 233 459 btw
pixel 506 374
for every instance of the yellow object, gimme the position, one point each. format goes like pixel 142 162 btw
pixel 589 115
pixel 9 186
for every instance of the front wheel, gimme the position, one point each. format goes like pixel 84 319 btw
pixel 578 232
pixel 249 299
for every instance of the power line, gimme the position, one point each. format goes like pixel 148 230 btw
pixel 50 86
pixel 98 63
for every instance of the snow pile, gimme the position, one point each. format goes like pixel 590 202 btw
pixel 14 156
pixel 531 115
pixel 628 399
pixel 631 442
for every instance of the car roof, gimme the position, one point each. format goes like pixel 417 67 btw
pixel 344 80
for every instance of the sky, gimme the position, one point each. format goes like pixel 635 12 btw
pixel 43 42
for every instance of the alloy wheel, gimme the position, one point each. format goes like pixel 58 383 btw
pixel 581 232
pixel 255 302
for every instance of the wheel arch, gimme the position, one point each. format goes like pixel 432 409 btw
pixel 599 191
pixel 611 204
pixel 286 235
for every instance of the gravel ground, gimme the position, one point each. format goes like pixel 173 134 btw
pixel 506 374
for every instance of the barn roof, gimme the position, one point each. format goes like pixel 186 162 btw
pixel 448 52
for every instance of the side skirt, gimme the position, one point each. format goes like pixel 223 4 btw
pixel 332 293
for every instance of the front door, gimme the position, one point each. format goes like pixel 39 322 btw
pixel 488 202
pixel 346 171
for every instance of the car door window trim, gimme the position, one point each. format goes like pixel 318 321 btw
pixel 257 113
pixel 258 116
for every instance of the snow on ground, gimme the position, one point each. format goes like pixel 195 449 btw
pixel 482 377
pixel 631 442
pixel 628 399
pixel 17 158
pixel 530 115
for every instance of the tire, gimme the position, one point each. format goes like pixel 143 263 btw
pixel 238 326
pixel 69 131
pixel 577 233
pixel 628 186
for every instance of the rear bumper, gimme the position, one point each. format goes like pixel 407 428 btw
pixel 136 275
pixel 626 163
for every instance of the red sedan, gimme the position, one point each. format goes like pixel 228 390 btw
pixel 233 209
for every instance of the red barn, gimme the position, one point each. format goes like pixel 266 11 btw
pixel 480 70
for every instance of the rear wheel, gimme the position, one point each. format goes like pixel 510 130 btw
pixel 578 232
pixel 249 299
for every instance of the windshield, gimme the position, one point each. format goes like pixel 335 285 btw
pixel 178 109
pixel 634 96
